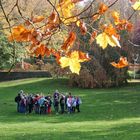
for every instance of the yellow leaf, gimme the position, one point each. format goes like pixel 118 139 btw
pixel 65 11
pixel 64 62
pixel 136 6
pixel 73 61
pixel 104 39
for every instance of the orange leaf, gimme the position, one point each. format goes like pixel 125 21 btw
pixel 96 17
pixel 56 54
pixel 47 52
pixel 121 64
pixel 38 19
pixel 93 36
pixel 83 28
pixel 83 56
pixel 20 34
pixel 53 18
pixel 102 8
pixel 129 26
pixel 75 1
pixel 110 30
pixel 69 42
pixel 40 50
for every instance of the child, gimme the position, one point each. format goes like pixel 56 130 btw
pixel 56 101
pixel 62 103
pixel 78 102
pixel 73 104
pixel 69 104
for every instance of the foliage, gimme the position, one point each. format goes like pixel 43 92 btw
pixel 66 16
pixel 5 52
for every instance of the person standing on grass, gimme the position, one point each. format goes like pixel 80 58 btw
pixel 30 103
pixel 69 104
pixel 66 96
pixel 78 102
pixel 18 99
pixel 73 104
pixel 56 101
pixel 23 104
pixel 36 104
pixel 62 103
pixel 49 104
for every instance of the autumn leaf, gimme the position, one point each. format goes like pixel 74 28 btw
pixel 121 24
pixel 93 36
pixel 102 8
pixel 136 6
pixel 65 11
pixel 116 17
pixel 40 50
pixel 83 56
pixel 56 54
pixel 104 39
pixel 69 42
pixel 96 17
pixel 53 18
pixel 38 19
pixel 19 34
pixel 121 64
pixel 73 61
pixel 83 28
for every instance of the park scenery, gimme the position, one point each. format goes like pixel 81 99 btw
pixel 70 69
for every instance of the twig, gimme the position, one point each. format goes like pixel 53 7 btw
pixel 14 49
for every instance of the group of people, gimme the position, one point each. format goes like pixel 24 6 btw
pixel 41 104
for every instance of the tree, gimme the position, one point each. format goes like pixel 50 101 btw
pixel 40 31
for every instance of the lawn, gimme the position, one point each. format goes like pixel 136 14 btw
pixel 106 114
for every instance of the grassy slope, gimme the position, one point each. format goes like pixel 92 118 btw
pixel 106 114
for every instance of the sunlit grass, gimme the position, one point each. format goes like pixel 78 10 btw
pixel 106 114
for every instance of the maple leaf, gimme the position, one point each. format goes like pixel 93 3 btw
pixel 56 54
pixel 38 19
pixel 93 35
pixel 121 64
pixel 116 17
pixel 96 17
pixel 64 9
pixel 19 34
pixel 83 28
pixel 104 39
pixel 121 24
pixel 136 6
pixel 102 8
pixel 69 42
pixel 42 50
pixel 73 61
pixel 53 18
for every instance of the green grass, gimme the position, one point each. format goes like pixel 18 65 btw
pixel 106 114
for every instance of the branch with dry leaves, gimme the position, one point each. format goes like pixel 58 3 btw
pixel 38 31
